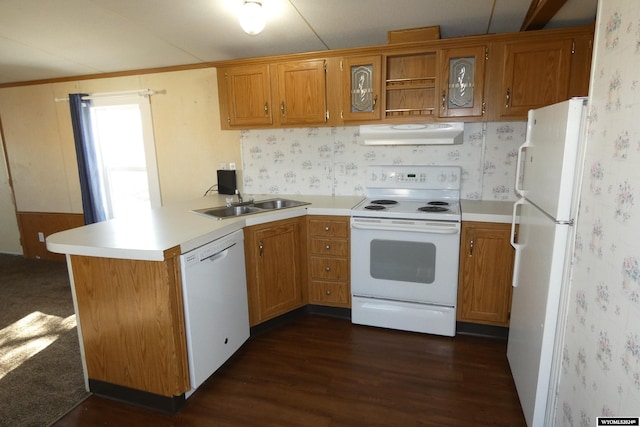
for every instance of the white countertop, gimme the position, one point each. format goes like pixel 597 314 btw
pixel 486 210
pixel 147 236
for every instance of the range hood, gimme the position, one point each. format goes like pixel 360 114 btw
pixel 412 134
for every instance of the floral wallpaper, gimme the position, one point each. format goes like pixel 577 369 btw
pixel 333 161
pixel 600 366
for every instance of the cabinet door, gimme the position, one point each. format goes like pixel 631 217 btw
pixel 535 74
pixel 301 92
pixel 462 82
pixel 248 95
pixel 486 269
pixel 274 269
pixel 361 87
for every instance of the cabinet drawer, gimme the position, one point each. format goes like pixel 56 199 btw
pixel 335 247
pixel 329 292
pixel 329 268
pixel 328 228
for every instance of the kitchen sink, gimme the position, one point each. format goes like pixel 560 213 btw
pixel 231 211
pixel 248 208
pixel 278 204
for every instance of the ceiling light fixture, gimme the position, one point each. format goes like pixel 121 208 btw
pixel 252 17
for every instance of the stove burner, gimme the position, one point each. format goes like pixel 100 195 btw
pixel 375 207
pixel 433 209
pixel 438 203
pixel 384 202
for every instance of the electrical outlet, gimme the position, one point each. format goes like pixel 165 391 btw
pixel 232 166
pixel 223 166
pixel 41 236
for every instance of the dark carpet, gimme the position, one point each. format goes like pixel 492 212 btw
pixel 40 366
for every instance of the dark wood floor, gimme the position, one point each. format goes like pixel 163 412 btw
pixel 323 371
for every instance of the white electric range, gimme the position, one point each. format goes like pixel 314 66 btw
pixel 405 244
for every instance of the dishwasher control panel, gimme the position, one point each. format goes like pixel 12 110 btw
pixel 211 249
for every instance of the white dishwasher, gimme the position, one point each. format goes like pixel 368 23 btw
pixel 215 304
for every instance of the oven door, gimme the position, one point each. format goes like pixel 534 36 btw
pixel 405 260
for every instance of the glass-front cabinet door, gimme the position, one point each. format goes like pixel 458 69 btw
pixel 462 82
pixel 361 82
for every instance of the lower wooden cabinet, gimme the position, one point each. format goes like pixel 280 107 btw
pixel 276 268
pixel 329 271
pixel 486 270
pixel 132 321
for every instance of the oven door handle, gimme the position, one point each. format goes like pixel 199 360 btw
pixel 428 228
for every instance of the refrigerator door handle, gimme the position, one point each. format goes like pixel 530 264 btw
pixel 516 246
pixel 527 143
pixel 521 192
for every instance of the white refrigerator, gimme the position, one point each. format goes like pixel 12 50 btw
pixel 548 177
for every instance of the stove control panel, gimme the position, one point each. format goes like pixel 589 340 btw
pixel 414 177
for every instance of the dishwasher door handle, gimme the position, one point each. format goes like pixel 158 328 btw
pixel 218 255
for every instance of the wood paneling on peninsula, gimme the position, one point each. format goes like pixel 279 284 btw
pixel 132 320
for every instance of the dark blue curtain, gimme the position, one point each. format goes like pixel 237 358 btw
pixel 88 168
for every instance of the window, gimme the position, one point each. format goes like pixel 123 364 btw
pixel 123 136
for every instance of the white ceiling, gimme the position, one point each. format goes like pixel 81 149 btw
pixel 43 39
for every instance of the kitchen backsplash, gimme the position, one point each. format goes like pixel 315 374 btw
pixel 333 161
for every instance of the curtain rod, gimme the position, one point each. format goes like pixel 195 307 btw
pixel 140 92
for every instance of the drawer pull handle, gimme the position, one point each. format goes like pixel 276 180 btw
pixel 327 269
pixel 326 228
pixel 327 247
pixel 327 292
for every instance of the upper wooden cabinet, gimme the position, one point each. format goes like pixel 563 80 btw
pixel 361 84
pixel 301 92
pixel 535 74
pixel 462 82
pixel 247 90
pixel 537 70
pixel 478 78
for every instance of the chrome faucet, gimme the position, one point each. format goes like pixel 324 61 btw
pixel 239 196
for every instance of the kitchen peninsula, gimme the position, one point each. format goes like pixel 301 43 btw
pixel 125 276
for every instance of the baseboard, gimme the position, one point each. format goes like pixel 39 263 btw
pixel 466 328
pixel 339 312
pixel 277 322
pixel 284 319
pixel 156 402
